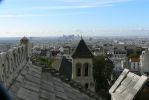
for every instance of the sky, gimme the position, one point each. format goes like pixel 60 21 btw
pixel 86 17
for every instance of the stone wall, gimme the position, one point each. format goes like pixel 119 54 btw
pixel 11 62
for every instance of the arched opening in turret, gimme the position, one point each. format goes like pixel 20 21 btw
pixel 78 69
pixel 86 69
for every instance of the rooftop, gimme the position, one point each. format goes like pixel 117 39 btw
pixel 33 84
pixel 134 59
pixel 82 51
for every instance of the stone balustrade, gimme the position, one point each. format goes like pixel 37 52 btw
pixel 11 62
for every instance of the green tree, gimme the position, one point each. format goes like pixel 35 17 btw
pixel 134 52
pixel 45 61
pixel 102 73
pixel 49 62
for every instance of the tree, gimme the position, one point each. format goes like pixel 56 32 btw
pixel 102 70
pixel 134 52
pixel 46 61
pixel 129 52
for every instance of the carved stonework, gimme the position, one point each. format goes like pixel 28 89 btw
pixel 11 62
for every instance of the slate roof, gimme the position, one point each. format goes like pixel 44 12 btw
pixel 135 59
pixel 66 68
pixel 33 84
pixel 82 51
pixel 127 86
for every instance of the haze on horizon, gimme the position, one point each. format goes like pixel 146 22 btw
pixel 86 17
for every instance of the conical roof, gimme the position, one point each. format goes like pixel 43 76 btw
pixel 82 51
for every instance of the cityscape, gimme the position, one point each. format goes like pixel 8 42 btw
pixel 74 50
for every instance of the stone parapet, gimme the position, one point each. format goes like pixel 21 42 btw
pixel 11 62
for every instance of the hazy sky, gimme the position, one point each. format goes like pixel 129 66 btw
pixel 86 17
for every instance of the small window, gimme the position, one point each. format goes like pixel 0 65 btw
pixel 78 72
pixel 86 85
pixel 134 66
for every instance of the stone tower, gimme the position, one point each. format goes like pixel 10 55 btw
pixel 82 66
pixel 25 41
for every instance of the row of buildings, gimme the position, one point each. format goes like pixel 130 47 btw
pixel 75 61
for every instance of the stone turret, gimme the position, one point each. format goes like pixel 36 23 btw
pixel 25 41
pixel 82 65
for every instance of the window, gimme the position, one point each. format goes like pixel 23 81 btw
pixel 78 69
pixel 86 65
pixel 134 66
pixel 86 85
pixel 86 71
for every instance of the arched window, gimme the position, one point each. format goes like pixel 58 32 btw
pixel 86 66
pixel 78 69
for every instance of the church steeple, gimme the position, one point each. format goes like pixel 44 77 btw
pixel 82 51
pixel 82 65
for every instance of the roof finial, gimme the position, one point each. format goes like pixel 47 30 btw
pixel 81 37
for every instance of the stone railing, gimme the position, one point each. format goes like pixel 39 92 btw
pixel 11 63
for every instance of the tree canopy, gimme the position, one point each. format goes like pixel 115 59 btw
pixel 102 70
pixel 46 61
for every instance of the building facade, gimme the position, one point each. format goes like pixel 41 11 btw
pixel 119 58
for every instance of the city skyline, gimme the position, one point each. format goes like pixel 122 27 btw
pixel 89 18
